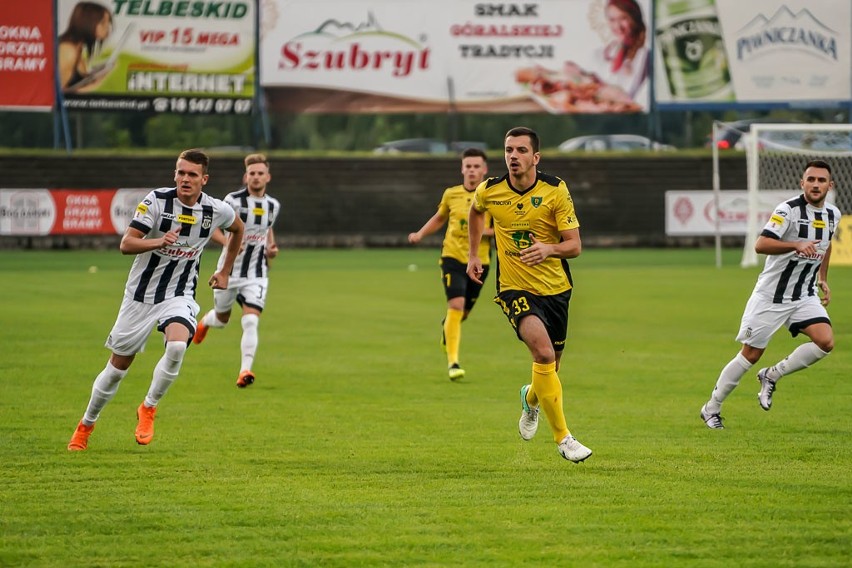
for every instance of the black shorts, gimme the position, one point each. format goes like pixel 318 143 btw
pixel 551 310
pixel 457 284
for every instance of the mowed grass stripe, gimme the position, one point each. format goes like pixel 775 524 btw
pixel 353 448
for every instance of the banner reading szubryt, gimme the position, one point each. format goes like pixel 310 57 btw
pixel 556 56
pixel 732 52
pixel 180 56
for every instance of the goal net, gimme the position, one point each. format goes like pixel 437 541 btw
pixel 776 155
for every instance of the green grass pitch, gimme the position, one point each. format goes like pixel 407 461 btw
pixel 354 449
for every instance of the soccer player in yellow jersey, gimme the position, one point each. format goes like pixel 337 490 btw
pixel 535 230
pixel 461 291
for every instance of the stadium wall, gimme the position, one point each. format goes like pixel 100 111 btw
pixel 355 202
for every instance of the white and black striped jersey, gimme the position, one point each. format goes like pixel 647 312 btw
pixel 790 277
pixel 162 274
pixel 258 215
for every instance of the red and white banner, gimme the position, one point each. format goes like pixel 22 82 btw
pixel 33 212
pixel 26 55
pixel 558 56
pixel 694 213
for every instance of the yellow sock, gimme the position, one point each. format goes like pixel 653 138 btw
pixel 452 333
pixel 548 389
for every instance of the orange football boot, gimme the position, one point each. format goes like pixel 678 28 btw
pixel 145 427
pixel 246 378
pixel 200 332
pixel 80 438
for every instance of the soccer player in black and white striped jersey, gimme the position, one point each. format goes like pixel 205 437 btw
pixel 249 281
pixel 797 242
pixel 168 233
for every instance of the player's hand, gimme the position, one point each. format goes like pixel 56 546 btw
pixel 413 238
pixel 170 238
pixel 536 253
pixel 271 250
pixel 475 270
pixel 807 249
pixel 825 293
pixel 219 281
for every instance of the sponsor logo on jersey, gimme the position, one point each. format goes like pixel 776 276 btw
pixel 819 224
pixel 186 219
pixel 499 202
pixel 257 211
pixel 142 208
pixel 519 225
pixel 777 219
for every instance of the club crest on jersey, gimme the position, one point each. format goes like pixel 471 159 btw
pixel 206 222
pixel 186 219
pixel 535 201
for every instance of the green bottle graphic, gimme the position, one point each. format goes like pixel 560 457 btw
pixel 693 51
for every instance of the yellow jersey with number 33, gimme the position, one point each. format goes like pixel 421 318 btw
pixel 543 210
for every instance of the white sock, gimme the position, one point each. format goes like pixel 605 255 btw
pixel 210 320
pixel 103 389
pixel 165 372
pixel 248 343
pixel 802 357
pixel 728 380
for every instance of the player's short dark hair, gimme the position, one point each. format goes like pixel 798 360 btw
pixel 256 159
pixel 196 156
pixel 524 131
pixel 818 164
pixel 474 153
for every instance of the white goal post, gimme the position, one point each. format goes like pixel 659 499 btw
pixel 776 155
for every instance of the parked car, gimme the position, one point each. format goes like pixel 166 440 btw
pixel 730 133
pixel 612 142
pixel 426 146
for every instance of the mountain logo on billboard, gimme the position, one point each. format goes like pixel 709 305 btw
pixel 801 32
pixel 361 47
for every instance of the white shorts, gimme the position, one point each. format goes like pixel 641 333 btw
pixel 762 318
pixel 136 320
pixel 245 291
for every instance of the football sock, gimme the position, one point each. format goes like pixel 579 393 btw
pixel 532 399
pixel 548 389
pixel 103 389
pixel 803 356
pixel 165 372
pixel 728 380
pixel 210 320
pixel 452 332
pixel 248 343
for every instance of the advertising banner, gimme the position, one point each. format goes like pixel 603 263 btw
pixel 718 52
pixel 694 213
pixel 34 212
pixel 26 56
pixel 192 56
pixel 554 56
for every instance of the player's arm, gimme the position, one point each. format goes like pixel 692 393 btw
pixel 434 223
pixel 134 242
pixel 822 277
pixel 219 280
pixel 538 251
pixel 769 244
pixel 475 228
pixel 271 245
pixel 219 237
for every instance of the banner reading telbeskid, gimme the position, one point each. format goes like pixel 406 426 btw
pixel 190 56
